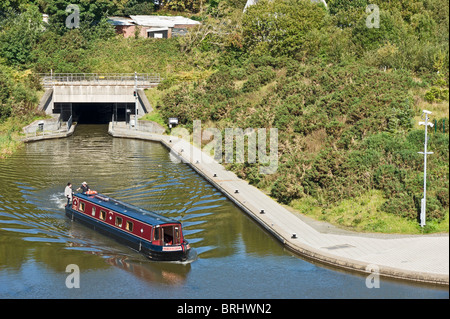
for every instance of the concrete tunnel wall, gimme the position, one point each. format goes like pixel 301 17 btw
pixel 94 95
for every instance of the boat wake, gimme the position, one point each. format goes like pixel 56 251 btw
pixel 192 256
pixel 58 200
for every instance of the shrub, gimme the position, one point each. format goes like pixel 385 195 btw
pixel 258 79
pixel 279 27
pixel 435 94
pixel 401 204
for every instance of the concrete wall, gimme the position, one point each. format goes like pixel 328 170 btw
pixel 49 125
pixel 129 31
pixel 144 104
pixel 93 94
pixel 150 127
pixel 46 102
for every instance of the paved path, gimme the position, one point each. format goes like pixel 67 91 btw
pixel 415 257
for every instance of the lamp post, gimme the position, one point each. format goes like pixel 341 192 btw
pixel 425 153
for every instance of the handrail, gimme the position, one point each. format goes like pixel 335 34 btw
pixel 69 123
pixel 142 80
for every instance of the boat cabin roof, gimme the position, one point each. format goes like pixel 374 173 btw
pixel 135 212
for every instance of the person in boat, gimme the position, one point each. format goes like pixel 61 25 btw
pixel 84 187
pixel 68 193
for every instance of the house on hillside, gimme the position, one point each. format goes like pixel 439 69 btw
pixel 150 26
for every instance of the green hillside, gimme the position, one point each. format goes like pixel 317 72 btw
pixel 346 98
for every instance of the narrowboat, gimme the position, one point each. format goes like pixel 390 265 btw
pixel 157 237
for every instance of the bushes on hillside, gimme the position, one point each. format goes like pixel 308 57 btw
pixel 350 129
pixel 17 92
pixel 19 34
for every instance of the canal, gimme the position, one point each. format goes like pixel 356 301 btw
pixel 236 258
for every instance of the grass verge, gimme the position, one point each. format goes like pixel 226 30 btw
pixel 363 214
pixel 11 133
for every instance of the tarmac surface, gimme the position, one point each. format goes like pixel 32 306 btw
pixel 422 258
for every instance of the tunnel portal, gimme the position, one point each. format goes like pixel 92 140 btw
pixel 95 113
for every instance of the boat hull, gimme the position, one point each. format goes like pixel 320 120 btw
pixel 153 252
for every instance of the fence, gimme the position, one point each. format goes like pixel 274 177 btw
pixel 142 80
pixel 142 126
pixel 44 127
pixel 441 125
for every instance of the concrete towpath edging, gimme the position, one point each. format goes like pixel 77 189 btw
pixel 51 135
pixel 419 258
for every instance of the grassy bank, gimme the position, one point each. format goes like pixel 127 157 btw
pixel 11 133
pixel 364 214
pixel 8 144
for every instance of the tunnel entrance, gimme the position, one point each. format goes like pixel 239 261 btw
pixel 95 113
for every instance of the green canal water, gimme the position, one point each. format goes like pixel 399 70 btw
pixel 236 258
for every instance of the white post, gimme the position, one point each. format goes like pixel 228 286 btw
pixel 423 202
pixel 135 101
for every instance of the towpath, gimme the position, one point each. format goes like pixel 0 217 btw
pixel 423 258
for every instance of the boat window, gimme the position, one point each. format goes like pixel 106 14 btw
pixel 129 226
pixel 168 235
pixel 177 233
pixel 156 234
pixel 81 207
pixel 102 215
pixel 93 211
pixel 119 221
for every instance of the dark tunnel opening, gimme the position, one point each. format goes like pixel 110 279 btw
pixel 94 113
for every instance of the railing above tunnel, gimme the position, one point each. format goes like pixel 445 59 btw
pixel 141 80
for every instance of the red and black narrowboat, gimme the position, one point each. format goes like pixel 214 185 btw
pixel 155 236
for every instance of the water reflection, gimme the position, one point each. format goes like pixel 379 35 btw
pixel 236 257
pixel 153 272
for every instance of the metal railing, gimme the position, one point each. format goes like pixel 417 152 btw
pixel 44 127
pixel 143 80
pixel 69 123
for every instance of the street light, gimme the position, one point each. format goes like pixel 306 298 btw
pixel 425 153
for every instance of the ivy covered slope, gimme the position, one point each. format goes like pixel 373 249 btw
pixel 346 100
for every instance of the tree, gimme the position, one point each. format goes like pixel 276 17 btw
pixel 186 5
pixel 335 6
pixel 19 33
pixel 5 92
pixel 90 12
pixel 279 27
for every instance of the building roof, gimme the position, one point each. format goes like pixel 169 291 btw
pixel 162 21
pixel 157 29
pixel 120 21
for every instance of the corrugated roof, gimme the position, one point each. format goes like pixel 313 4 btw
pixel 162 21
pixel 157 29
pixel 120 21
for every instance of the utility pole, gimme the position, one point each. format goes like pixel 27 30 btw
pixel 425 153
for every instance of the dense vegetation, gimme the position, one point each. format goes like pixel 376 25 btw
pixel 346 98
